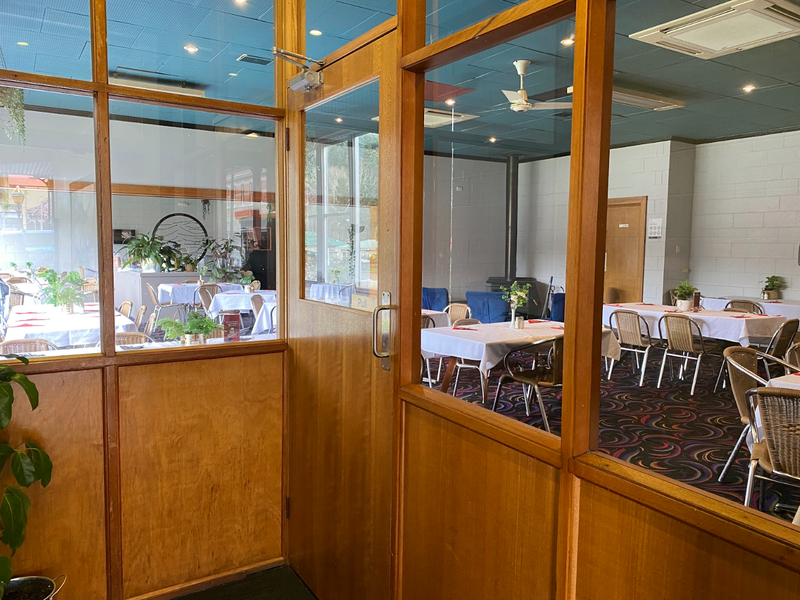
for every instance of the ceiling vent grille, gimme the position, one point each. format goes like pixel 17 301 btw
pixel 256 60
pixel 730 27
pixel 434 118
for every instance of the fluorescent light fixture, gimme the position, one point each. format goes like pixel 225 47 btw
pixel 315 32
pixel 253 134
pixel 338 119
pixel 749 88
pixel 159 87
pixel 22 43
pixel 450 102
pixel 727 28
pixel 241 1
pixel 233 74
pixel 568 41
pixel 190 48
pixel 434 118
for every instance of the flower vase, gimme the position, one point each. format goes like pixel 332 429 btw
pixel 248 289
pixel 513 323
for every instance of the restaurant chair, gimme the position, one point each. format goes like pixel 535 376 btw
pixel 685 341
pixel 217 333
pixel 463 363
pixel 632 338
pixel 457 311
pixel 206 293
pixel 488 307
pixel 257 302
pixel 255 285
pixel 427 323
pixel 747 306
pixel 16 298
pixel 26 345
pixel 151 324
pixel 793 355
pixel 673 297
pixel 140 316
pixel 273 317
pixel 435 298
pixel 536 377
pixel 125 308
pixel 82 271
pixel 13 280
pixel 6 276
pixel 776 444
pixel 92 289
pixel 191 281
pixel 159 306
pixel 781 341
pixel 130 338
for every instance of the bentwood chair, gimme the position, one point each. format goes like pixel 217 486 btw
pixel 538 376
pixel 257 302
pixel 627 325
pixel 26 345
pixel 16 298
pixel 793 355
pixel 255 285
pixel 781 341
pixel 747 306
pixel 684 341
pixel 159 306
pixel 140 316
pixel 151 324
pixel 427 323
pixel 273 317
pixel 463 363
pixel 13 280
pixel 130 338
pixel 776 444
pixel 457 311
pixel 191 281
pixel 125 308
pixel 206 293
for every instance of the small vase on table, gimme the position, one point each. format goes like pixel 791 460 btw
pixel 513 323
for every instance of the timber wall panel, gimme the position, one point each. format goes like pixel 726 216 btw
pixel 66 526
pixel 200 462
pixel 479 518
pixel 628 551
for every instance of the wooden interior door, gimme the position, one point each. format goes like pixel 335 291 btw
pixel 625 239
pixel 340 401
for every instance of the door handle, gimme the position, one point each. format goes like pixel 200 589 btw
pixel 381 330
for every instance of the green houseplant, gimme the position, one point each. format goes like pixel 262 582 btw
pixel 64 291
pixel 193 331
pixel 516 296
pixel 13 100
pixel 28 464
pixel 772 287
pixel 684 292
pixel 152 252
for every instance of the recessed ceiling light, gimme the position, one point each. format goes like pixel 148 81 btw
pixel 240 1
pixel 338 119
pixel 492 140
pixel 450 102
pixel 315 32
pixel 749 87
pixel 190 48
pixel 233 74
pixel 568 41
pixel 253 134
pixel 22 43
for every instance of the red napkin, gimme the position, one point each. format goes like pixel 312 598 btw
pixel 670 311
pixel 613 304
pixel 742 317
pixel 642 304
pixel 465 328
pixel 35 319
pixel 29 312
pixel 24 325
pixel 557 327
pixel 537 321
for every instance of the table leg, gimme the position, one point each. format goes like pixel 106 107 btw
pixel 448 373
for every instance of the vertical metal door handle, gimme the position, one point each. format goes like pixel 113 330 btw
pixel 378 334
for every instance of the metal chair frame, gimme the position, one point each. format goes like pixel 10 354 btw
pixel 449 307
pixel 427 323
pixel 469 364
pixel 158 306
pixel 630 346
pixel 773 349
pixel 746 305
pixel 684 354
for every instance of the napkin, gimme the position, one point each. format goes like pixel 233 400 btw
pixel 742 317
pixel 465 328
pixel 641 304
pixel 537 321
pixel 24 325
pixel 613 304
pixel 798 374
pixel 557 327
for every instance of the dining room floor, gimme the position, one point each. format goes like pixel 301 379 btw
pixel 687 438
pixel 278 583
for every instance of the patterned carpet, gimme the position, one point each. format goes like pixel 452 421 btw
pixel 682 437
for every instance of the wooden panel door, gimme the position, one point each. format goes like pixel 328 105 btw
pixel 625 239
pixel 340 403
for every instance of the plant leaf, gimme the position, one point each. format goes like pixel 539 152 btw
pixel 14 517
pixel 23 469
pixel 42 465
pixel 5 452
pixel 5 572
pixel 18 357
pixel 29 387
pixel 6 400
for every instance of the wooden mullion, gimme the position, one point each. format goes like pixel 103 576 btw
pixel 47 83
pixel 113 484
pixel 99 41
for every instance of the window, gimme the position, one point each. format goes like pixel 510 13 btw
pixel 332 23
pixel 48 225
pixel 194 225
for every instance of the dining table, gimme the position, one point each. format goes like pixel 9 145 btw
pixel 186 293
pixel 784 308
pixel 439 318
pixel 264 323
pixel 238 300
pixel 740 328
pixel 488 343
pixel 80 328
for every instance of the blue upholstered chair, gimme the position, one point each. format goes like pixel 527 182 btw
pixel 434 298
pixel 557 307
pixel 488 307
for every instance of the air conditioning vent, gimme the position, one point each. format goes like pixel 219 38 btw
pixel 256 60
pixel 434 117
pixel 730 27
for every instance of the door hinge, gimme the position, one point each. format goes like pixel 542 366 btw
pixel 287 138
pixel 288 507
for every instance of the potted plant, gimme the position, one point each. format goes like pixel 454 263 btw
pixel 684 293
pixel 246 280
pixel 772 287
pixel 29 463
pixel 152 253
pixel 13 100
pixel 516 296
pixel 63 291
pixel 192 332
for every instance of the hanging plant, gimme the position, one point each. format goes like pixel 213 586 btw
pixel 13 100
pixel 206 207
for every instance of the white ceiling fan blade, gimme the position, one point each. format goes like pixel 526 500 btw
pixel 551 105
pixel 513 96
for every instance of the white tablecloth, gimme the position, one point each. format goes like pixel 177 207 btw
pixel 184 293
pixel 237 301
pixel 440 319
pixel 714 324
pixel 263 323
pixel 786 381
pixel 331 293
pixel 489 342
pixel 52 324
pixel 779 308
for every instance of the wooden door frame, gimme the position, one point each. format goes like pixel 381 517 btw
pixel 641 202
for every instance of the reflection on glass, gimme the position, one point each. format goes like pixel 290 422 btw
pixel 703 188
pixel 341 201
pixel 212 49
pixel 496 194
pixel 194 226
pixel 332 23
pixel 48 38
pixel 48 226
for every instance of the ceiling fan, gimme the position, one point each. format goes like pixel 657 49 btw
pixel 519 99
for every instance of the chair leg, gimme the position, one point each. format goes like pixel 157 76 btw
pixel 696 373
pixel 526 396
pixel 541 409
pixel 766 366
pixel 644 365
pixel 455 383
pixel 484 387
pixel 497 393
pixel 661 372
pixel 751 475
pixel 428 367
pixel 734 452
pixel 611 369
pixel 762 490
pixel 722 369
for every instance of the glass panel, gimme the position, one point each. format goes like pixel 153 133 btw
pixel 194 220
pixel 214 48
pixel 48 225
pixel 333 23
pixel 46 37
pixel 341 202
pixel 449 16
pixel 496 196
pixel 711 149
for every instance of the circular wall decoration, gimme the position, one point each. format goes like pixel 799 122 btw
pixel 185 231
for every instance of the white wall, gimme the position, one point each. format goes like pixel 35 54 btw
pixel 746 217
